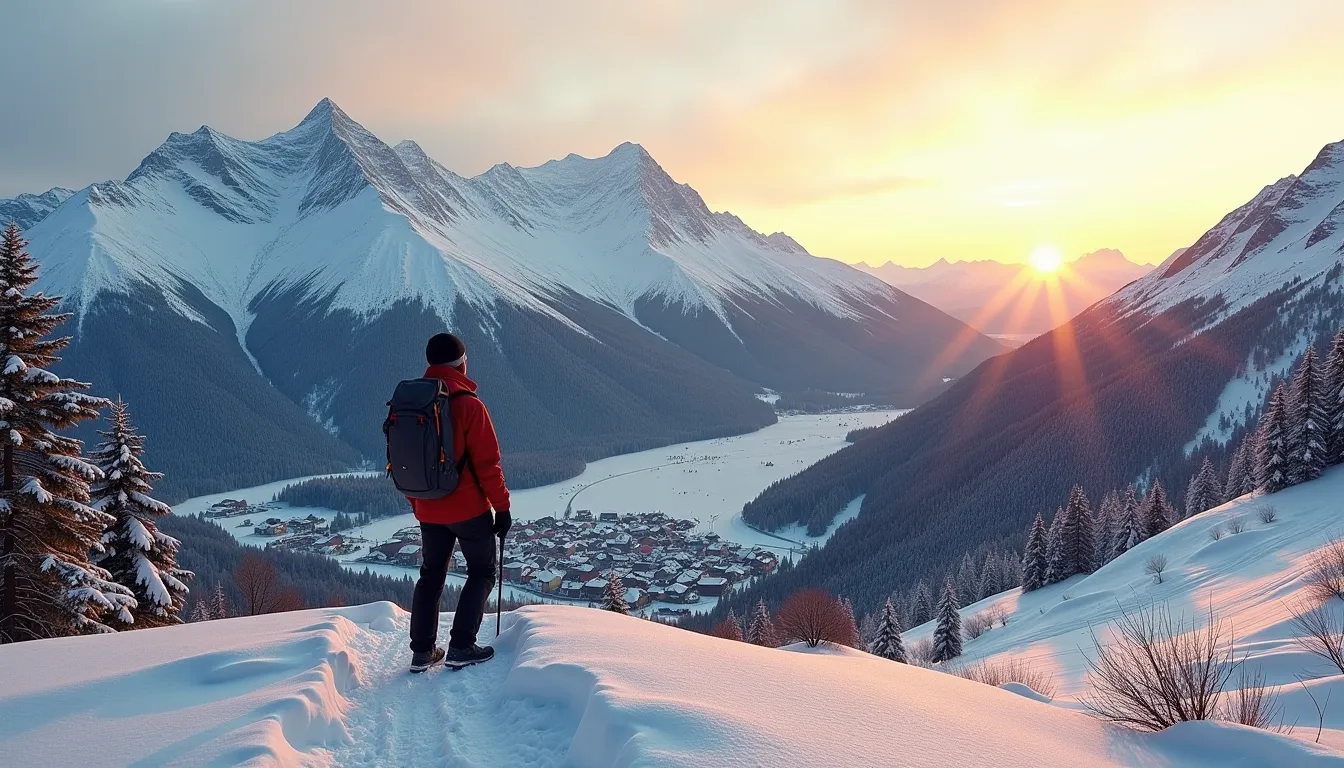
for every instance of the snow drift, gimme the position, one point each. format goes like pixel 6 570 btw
pixel 571 686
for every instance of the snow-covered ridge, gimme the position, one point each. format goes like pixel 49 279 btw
pixel 330 211
pixel 569 686
pixel 26 210
pixel 1291 231
pixel 1252 581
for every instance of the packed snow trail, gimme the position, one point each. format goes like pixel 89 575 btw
pixel 444 717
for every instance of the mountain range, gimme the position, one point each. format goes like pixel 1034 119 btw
pixel 1139 387
pixel 256 301
pixel 1013 299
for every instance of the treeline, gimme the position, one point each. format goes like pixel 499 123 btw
pixel 816 401
pixel 361 499
pixel 1097 403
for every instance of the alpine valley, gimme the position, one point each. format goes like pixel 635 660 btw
pixel 283 286
pixel 1143 386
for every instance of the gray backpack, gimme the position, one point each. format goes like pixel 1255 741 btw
pixel 419 431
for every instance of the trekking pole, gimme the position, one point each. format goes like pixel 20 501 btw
pixel 499 597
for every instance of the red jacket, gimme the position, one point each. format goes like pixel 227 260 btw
pixel 474 434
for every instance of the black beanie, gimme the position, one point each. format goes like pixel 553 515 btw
pixel 445 349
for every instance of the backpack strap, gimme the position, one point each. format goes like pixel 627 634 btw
pixel 465 462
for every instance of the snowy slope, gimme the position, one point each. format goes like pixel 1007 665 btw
pixel 1252 581
pixel 571 686
pixel 1291 232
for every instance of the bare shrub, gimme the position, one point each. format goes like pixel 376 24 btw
pixel 259 583
pixel 1155 673
pixel 1253 703
pixel 998 614
pixel 920 653
pixel 1321 633
pixel 977 625
pixel 1321 707
pixel 1325 571
pixel 1268 514
pixel 1236 525
pixel 1155 566
pixel 1216 532
pixel 812 616
pixel 1016 670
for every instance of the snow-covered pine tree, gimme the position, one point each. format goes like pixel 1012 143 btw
pixel 848 608
pixel 613 597
pixel 1108 522
pixel 48 587
pixel 761 630
pixel 1271 450
pixel 968 580
pixel 1010 564
pixel 887 643
pixel 219 604
pixel 1034 566
pixel 1203 493
pixel 1307 431
pixel 135 552
pixel 1130 530
pixel 201 611
pixel 921 605
pixel 1157 515
pixel 947 634
pixel 1056 569
pixel 1076 538
pixel 730 628
pixel 1333 398
pixel 1240 477
pixel 991 576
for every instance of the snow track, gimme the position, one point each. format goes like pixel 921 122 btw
pixel 447 718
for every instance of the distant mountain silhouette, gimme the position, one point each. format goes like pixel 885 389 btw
pixel 1003 298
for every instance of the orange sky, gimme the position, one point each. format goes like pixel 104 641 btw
pixel 867 129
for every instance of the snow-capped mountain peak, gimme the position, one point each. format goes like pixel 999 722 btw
pixel 616 229
pixel 308 265
pixel 27 209
pixel 1290 232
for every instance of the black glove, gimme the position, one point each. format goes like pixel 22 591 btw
pixel 503 522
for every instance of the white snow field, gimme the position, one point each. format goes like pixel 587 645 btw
pixel 570 687
pixel 1253 581
pixel 708 480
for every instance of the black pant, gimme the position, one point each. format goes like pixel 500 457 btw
pixel 477 537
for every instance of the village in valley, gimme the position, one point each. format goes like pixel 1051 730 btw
pixel 299 534
pixel 659 559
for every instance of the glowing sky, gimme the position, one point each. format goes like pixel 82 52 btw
pixel 867 129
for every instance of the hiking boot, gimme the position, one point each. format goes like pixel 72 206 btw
pixel 422 660
pixel 465 657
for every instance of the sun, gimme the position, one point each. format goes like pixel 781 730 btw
pixel 1046 259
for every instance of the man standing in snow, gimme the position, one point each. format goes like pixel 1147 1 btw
pixel 461 516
